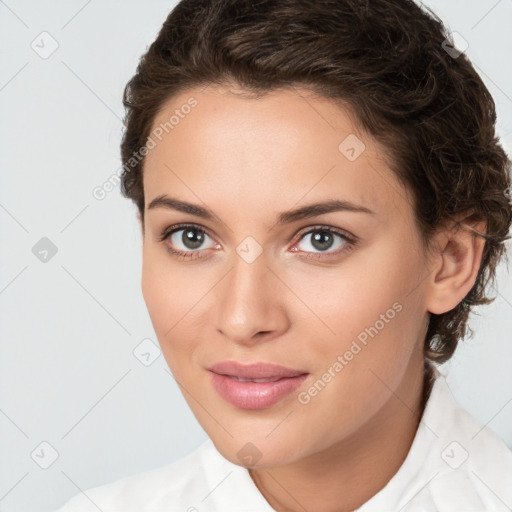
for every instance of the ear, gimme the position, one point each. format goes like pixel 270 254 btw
pixel 458 249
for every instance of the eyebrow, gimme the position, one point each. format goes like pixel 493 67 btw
pixel 302 212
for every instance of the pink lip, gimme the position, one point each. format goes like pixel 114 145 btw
pixel 254 395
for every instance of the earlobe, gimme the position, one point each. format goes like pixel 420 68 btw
pixel 459 255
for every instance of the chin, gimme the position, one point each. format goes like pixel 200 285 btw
pixel 258 453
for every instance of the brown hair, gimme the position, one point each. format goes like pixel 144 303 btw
pixel 387 60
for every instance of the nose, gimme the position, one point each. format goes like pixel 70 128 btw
pixel 250 303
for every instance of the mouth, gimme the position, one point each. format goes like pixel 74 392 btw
pixel 241 379
pixel 256 385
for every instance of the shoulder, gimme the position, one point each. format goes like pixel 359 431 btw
pixel 478 466
pixel 177 483
pixel 454 463
pixel 474 465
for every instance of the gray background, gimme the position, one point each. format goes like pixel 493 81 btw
pixel 70 324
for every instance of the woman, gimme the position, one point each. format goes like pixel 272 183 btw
pixel 323 199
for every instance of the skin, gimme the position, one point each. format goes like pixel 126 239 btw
pixel 248 160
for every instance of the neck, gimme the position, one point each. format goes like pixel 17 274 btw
pixel 348 474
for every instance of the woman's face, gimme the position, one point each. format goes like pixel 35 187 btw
pixel 342 311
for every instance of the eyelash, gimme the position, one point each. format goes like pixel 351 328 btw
pixel 350 241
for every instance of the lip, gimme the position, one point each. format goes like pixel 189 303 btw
pixel 280 381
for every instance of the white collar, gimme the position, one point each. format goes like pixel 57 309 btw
pixel 454 463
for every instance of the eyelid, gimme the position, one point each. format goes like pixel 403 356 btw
pixel 304 231
pixel 324 227
pixel 351 240
pixel 178 227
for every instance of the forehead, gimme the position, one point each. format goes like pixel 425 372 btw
pixel 285 147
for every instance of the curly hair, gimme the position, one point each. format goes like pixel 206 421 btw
pixel 388 60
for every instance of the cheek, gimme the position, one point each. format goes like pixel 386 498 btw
pixel 374 301
pixel 351 297
pixel 170 296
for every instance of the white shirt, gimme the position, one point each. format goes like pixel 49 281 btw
pixel 455 464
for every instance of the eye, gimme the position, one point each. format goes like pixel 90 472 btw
pixel 186 240
pixel 325 240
